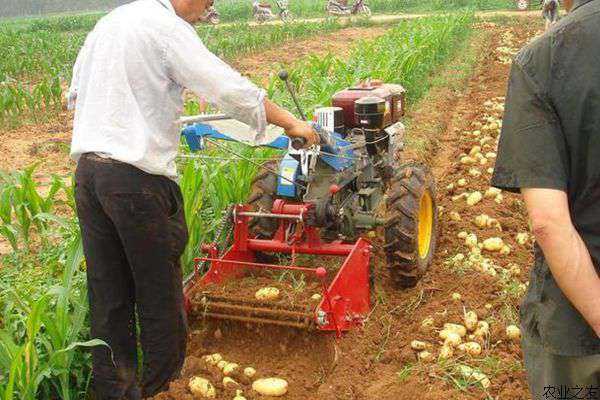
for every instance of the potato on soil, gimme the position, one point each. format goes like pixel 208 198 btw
pixel 483 329
pixel 471 240
pixel 453 339
pixel 456 328
pixel 466 160
pixel 471 320
pixel 316 297
pixel 522 238
pixel 202 388
pixel 474 172
pixel 474 376
pixel 424 356
pixel 474 198
pixel 239 395
pixel 445 352
pixel 249 372
pixel 213 359
pixel 427 324
pixel 418 345
pixel 270 386
pixel 454 216
pixel 493 244
pixel 492 192
pixel 267 294
pixel 513 332
pixel 221 364
pixel 473 348
pixel 456 296
pixel 230 368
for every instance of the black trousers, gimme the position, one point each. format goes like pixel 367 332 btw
pixel 134 233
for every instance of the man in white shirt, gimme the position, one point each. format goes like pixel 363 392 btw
pixel 127 93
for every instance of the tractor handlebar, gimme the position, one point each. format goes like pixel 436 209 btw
pixel 325 139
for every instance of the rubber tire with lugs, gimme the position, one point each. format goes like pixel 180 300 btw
pixel 410 183
pixel 262 196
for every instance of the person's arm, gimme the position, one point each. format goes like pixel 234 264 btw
pixel 564 250
pixel 292 126
pixel 193 66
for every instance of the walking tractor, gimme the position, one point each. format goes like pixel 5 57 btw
pixel 325 201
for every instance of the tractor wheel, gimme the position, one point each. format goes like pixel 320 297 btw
pixel 411 227
pixel 262 196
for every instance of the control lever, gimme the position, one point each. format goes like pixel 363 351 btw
pixel 283 75
pixel 325 138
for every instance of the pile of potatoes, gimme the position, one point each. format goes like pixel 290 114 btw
pixel 211 375
pixel 508 48
pixel 465 339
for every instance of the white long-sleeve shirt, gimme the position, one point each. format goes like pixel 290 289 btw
pixel 128 82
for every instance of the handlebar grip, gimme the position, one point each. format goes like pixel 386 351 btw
pixel 298 143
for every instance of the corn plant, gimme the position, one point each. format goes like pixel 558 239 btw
pixel 40 358
pixel 42 336
pixel 406 54
pixel 22 206
pixel 209 185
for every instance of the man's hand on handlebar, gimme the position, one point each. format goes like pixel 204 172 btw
pixel 303 130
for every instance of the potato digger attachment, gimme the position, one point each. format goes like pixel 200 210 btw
pixel 316 206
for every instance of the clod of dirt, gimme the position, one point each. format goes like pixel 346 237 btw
pixel 218 334
pixel 230 384
pixel 192 366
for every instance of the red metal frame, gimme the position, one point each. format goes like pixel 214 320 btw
pixel 345 301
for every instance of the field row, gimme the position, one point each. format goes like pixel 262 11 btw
pixel 35 66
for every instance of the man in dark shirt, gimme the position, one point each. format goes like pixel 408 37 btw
pixel 550 151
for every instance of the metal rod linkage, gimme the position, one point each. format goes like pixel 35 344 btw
pixel 270 215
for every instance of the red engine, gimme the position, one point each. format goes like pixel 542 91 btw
pixel 394 96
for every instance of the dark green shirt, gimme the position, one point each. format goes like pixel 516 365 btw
pixel 551 139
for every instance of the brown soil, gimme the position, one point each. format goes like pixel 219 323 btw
pixel 47 144
pixel 376 362
pixel 339 42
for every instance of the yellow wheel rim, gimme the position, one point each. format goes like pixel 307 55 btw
pixel 425 225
